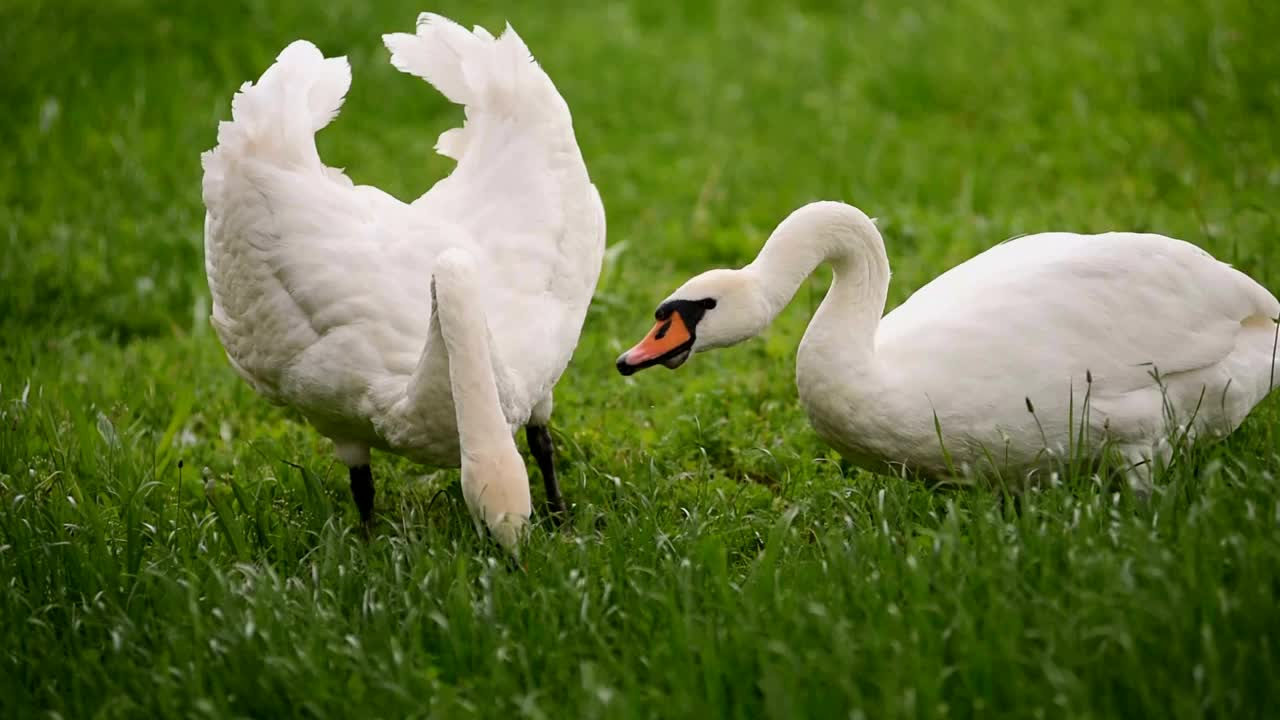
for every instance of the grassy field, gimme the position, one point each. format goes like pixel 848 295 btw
pixel 170 545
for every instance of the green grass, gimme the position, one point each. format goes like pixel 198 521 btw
pixel 170 545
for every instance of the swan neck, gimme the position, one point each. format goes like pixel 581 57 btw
pixel 480 420
pixel 847 239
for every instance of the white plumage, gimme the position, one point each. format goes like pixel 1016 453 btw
pixel 323 290
pixel 1138 339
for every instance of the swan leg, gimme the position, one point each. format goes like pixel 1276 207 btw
pixel 362 491
pixel 543 452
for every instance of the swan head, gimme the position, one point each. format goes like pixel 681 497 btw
pixel 495 486
pixel 716 309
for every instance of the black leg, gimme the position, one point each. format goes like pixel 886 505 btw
pixel 362 491
pixel 540 445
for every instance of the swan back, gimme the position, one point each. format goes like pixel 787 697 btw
pixel 1114 300
pixel 1154 333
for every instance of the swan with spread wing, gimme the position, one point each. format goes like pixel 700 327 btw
pixel 432 329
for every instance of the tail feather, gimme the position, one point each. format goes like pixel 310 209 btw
pixel 490 76
pixel 275 120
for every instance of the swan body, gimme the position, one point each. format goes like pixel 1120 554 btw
pixel 1039 347
pixel 431 329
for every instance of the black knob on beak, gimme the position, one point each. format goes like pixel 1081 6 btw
pixel 624 367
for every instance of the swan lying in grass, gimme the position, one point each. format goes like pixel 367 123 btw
pixel 432 329
pixel 1045 342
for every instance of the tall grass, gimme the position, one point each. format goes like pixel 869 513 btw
pixel 170 545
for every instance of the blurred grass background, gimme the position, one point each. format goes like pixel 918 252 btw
pixel 722 561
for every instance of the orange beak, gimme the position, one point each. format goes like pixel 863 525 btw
pixel 669 340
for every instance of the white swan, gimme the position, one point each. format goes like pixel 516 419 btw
pixel 432 329
pixel 1002 351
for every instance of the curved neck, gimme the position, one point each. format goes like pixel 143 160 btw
pixel 844 236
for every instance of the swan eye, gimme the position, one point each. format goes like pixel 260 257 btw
pixel 708 303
